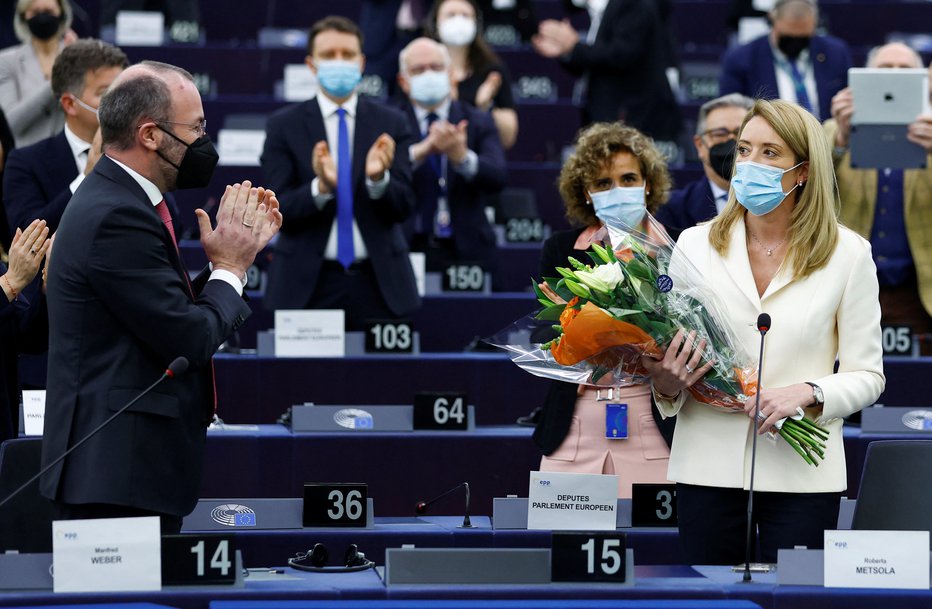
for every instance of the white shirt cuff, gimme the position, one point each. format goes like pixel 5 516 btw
pixel 76 182
pixel 377 189
pixel 320 199
pixel 235 282
pixel 470 165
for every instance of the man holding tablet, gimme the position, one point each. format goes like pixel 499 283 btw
pixel 889 206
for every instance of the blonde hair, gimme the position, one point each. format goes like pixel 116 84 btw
pixel 596 145
pixel 813 232
pixel 19 21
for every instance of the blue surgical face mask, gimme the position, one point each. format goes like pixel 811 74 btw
pixel 338 77
pixel 430 88
pixel 759 188
pixel 626 205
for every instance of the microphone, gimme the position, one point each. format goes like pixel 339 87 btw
pixel 763 326
pixel 421 507
pixel 178 366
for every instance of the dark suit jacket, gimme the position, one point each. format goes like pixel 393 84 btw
pixel 557 413
pixel 120 310
pixel 687 207
pixel 749 69
pixel 23 329
pixel 626 70
pixel 472 234
pixel 286 163
pixel 36 180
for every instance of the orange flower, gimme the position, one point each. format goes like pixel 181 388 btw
pixel 569 312
pixel 593 331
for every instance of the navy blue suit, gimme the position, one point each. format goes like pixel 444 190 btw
pixel 687 207
pixel 120 310
pixel 36 180
pixel 291 134
pixel 473 238
pixel 749 69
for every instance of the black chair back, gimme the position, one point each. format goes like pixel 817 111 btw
pixel 26 520
pixel 896 487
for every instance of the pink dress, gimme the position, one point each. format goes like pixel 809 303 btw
pixel 642 457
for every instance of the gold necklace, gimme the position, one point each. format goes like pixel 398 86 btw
pixel 769 250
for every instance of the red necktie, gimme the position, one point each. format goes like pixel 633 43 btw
pixel 162 209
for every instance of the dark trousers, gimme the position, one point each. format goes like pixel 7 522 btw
pixel 171 525
pixel 713 522
pixel 353 289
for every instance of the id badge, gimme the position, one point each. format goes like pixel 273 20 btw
pixel 616 421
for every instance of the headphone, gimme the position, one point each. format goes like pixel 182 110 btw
pixel 315 560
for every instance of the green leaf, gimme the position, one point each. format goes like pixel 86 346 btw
pixel 551 313
pixel 566 273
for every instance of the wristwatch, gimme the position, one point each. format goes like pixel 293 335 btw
pixel 818 398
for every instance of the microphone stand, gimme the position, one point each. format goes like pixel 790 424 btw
pixel 763 325
pixel 179 366
pixel 422 506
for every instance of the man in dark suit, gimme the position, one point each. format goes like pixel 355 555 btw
pixel 121 307
pixel 458 161
pixel 332 160
pixel 716 132
pixel 39 180
pixel 622 64
pixel 790 62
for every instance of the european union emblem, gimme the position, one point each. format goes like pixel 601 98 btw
pixel 244 520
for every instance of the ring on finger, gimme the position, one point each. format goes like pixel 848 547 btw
pixel 33 252
pixel 247 225
pixel 761 416
pixel 689 369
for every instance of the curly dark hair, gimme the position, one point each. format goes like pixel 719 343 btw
pixel 595 147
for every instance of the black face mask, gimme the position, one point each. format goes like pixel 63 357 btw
pixel 43 25
pixel 792 46
pixel 722 158
pixel 197 164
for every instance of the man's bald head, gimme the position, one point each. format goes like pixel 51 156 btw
pixel 893 55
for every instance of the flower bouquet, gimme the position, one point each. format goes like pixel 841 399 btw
pixel 599 318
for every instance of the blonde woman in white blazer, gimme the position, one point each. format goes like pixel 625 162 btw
pixel 777 248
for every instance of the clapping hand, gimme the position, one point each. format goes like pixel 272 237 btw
pixel 28 249
pixel 324 168
pixel 247 219
pixel 380 157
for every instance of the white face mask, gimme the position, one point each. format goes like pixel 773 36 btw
pixel 430 88
pixel 457 31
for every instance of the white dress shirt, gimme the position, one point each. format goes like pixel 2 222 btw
pixel 80 150
pixel 155 197
pixel 376 190
pixel 721 196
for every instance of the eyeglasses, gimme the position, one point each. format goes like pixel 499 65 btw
pixel 721 134
pixel 200 129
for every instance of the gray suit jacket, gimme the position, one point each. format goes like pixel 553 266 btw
pixel 26 96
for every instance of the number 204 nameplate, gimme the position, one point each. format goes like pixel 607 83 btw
pixel 335 505
pixel 586 557
pixel 653 505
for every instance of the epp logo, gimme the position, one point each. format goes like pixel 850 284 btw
pixel 664 283
pixel 233 515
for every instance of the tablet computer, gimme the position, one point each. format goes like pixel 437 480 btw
pixel 884 96
pixel 884 147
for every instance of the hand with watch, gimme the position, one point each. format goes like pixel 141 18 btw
pixel 784 402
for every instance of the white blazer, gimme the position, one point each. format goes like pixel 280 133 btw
pixel 832 313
